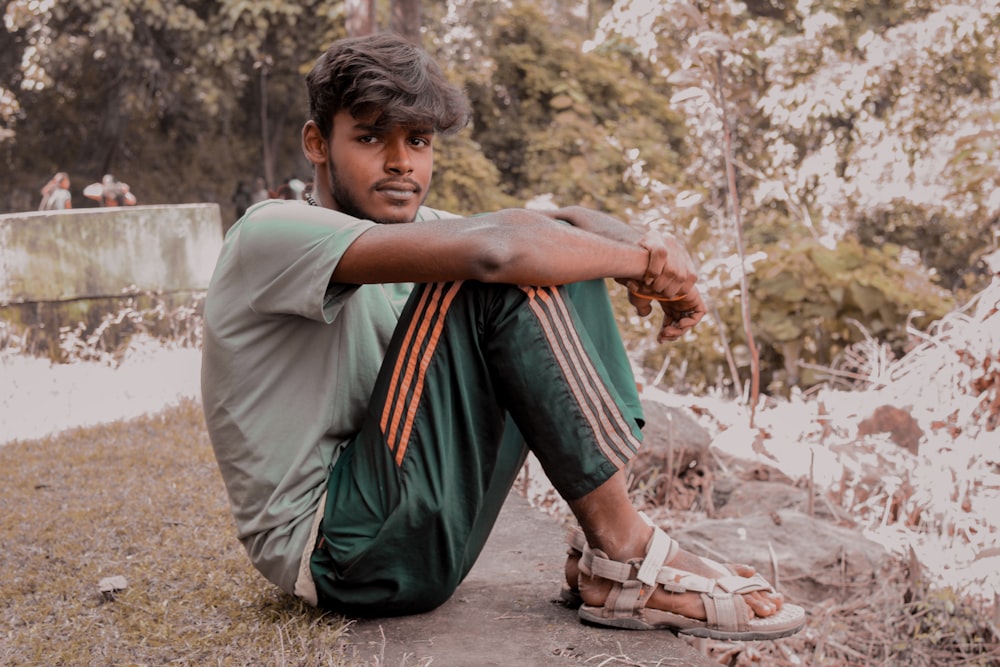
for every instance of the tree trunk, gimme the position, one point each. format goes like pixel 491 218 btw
pixel 734 202
pixel 406 19
pixel 360 17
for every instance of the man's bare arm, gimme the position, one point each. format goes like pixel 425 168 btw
pixel 523 247
pixel 513 246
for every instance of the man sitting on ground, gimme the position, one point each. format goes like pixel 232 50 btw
pixel 375 372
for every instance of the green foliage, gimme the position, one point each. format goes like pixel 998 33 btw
pixel 888 108
pixel 554 119
pixel 952 245
pixel 849 119
pixel 808 282
pixel 167 95
pixel 810 302
pixel 465 182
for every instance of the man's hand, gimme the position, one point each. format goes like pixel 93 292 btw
pixel 669 276
pixel 670 271
pixel 669 280
pixel 679 315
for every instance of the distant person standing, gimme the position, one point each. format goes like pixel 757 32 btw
pixel 110 192
pixel 242 198
pixel 56 195
pixel 297 187
pixel 291 189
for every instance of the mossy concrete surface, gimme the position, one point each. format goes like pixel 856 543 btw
pixel 101 252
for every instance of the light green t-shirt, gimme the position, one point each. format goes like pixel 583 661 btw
pixel 288 367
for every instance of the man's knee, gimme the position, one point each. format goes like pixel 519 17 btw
pixel 416 592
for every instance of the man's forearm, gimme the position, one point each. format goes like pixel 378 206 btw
pixel 598 223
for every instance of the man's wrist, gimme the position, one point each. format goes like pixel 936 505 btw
pixel 642 261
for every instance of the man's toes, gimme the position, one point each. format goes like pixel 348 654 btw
pixel 763 603
pixel 761 607
pixel 742 569
pixel 774 598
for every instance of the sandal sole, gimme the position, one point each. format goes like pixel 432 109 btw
pixel 785 623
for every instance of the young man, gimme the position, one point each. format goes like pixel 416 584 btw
pixel 375 372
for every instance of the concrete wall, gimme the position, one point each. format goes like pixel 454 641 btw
pixel 72 269
pixel 93 253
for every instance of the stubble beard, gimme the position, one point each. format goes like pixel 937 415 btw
pixel 346 203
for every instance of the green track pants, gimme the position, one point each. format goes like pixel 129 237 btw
pixel 471 367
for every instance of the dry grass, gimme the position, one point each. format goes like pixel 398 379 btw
pixel 142 499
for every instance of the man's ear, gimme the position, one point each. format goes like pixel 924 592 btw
pixel 313 143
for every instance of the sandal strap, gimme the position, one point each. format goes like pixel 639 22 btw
pixel 738 585
pixel 661 550
pixel 628 599
pixel 680 581
pixel 576 541
pixel 727 612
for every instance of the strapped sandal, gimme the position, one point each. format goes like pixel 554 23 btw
pixel 577 544
pixel 729 616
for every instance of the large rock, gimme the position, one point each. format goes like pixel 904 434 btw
pixel 507 612
pixel 815 559
pixel 673 467
pixel 735 498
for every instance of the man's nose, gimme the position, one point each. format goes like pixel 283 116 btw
pixel 397 159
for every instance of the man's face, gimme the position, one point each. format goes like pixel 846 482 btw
pixel 379 174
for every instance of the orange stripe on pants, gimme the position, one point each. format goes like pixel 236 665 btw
pixel 416 357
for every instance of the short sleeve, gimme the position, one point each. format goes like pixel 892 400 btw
pixel 287 252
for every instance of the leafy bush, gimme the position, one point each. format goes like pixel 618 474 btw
pixel 809 303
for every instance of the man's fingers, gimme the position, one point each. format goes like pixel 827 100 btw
pixel 691 318
pixel 681 315
pixel 671 332
pixel 654 243
pixel 675 329
pixel 643 307
pixel 670 270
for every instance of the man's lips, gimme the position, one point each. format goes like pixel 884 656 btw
pixel 398 189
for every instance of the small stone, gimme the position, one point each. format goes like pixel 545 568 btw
pixel 111 585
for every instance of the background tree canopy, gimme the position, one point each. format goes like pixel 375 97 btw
pixel 864 135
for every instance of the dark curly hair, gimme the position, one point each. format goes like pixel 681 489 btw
pixel 386 79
